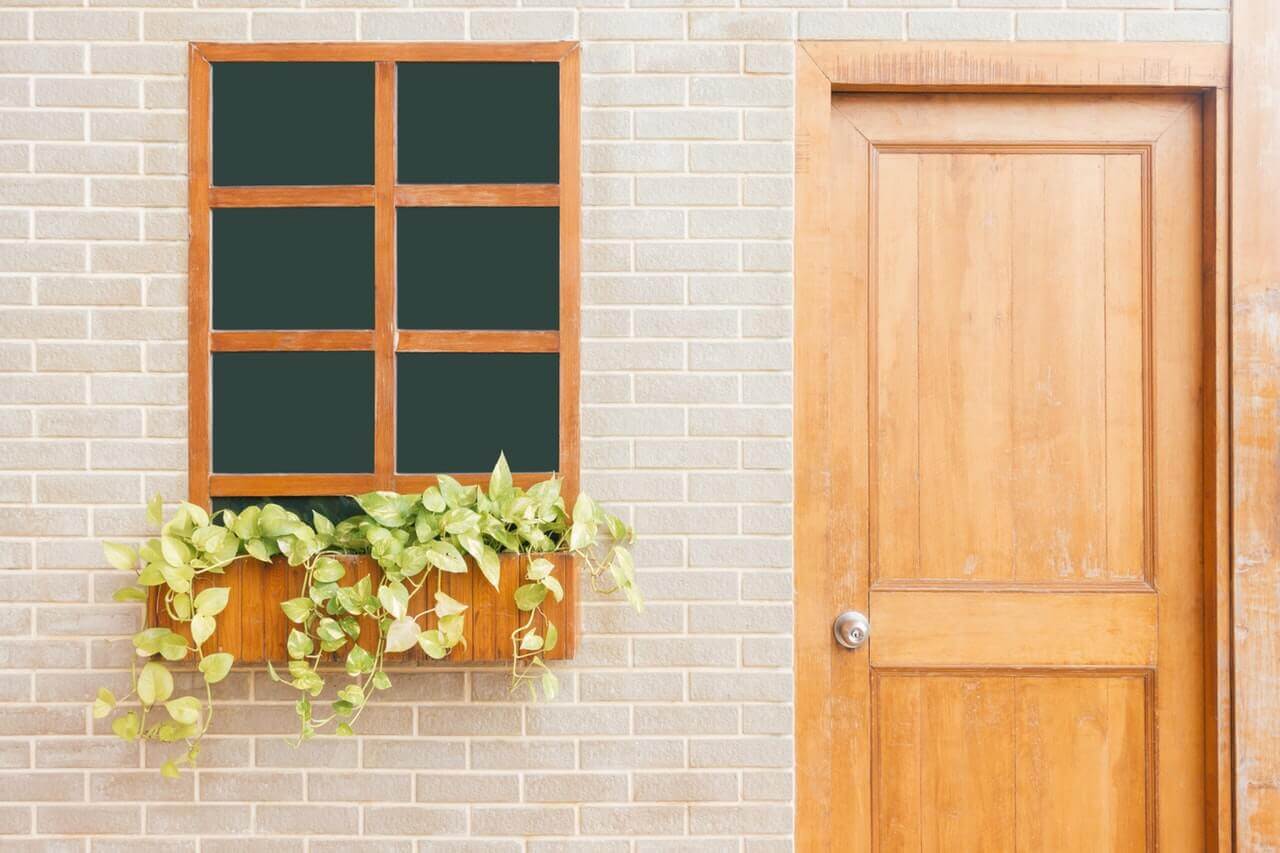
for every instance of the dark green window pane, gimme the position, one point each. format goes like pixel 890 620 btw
pixel 455 412
pixel 293 412
pixel 292 123
pixel 478 122
pixel 336 508
pixel 293 268
pixel 478 267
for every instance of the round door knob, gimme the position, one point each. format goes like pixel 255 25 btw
pixel 851 629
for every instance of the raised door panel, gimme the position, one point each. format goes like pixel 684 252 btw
pixel 1010 388
pixel 1023 278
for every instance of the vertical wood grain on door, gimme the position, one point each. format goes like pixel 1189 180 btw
pixel 1025 282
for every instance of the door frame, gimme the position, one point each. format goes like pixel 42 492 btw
pixel 824 725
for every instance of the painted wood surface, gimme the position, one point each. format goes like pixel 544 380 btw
pixel 1255 437
pixel 254 628
pixel 385 340
pixel 1130 507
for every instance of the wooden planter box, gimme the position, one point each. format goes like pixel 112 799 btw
pixel 254 628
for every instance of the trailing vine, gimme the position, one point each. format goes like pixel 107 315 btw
pixel 414 538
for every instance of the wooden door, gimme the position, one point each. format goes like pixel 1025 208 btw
pixel 1016 330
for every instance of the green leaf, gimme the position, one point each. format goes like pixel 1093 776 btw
pixel 328 570
pixel 216 666
pixel 455 494
pixel 386 508
pixel 445 557
pixel 554 585
pixel 129 593
pixel 344 730
pixel 155 511
pixel 177 577
pixel 104 704
pixel 329 631
pixel 433 501
pixel 126 727
pixel 491 566
pixel 155 684
pixel 182 605
pixel 322 525
pixel 539 569
pixel 531 642
pixel 402 634
pixel 432 642
pixel 550 684
pixel 202 628
pixel 500 479
pixel 297 609
pixel 212 601
pixel 553 636
pixel 147 642
pixel 299 645
pixel 448 606
pixel 169 770
pixel 530 596
pixel 173 646
pixel 394 598
pixel 185 710
pixel 175 551
pixel 359 661
pixel 121 557
pixel 258 550
pixel 381 680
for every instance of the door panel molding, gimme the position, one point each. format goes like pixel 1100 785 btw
pixel 835 754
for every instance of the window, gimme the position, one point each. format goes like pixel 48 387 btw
pixel 383 267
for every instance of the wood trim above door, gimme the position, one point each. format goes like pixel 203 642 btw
pixel 828 732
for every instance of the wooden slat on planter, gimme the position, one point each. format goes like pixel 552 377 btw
pixel 254 629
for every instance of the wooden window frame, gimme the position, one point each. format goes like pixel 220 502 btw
pixel 385 340
pixel 825 725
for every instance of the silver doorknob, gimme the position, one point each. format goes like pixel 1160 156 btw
pixel 851 629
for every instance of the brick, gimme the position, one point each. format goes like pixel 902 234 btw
pixel 255 787
pixel 359 787
pixel 686 256
pixel 740 752
pixel 86 92
pixel 1080 26
pixel 631 26
pixel 293 819
pixel 632 820
pixel 85 25
pixel 413 25
pixel 740 157
pixel 741 26
pixel 53 158
pixel 1177 26
pixel 445 720
pixel 966 24
pixel 468 787
pixel 686 124
pixel 88 422
pixel 41 788
pixel 414 820
pixel 687 58
pixel 518 820
pixel 303 26
pixel 42 720
pixel 416 753
pixel 95 752
pixel 508 26
pixel 123 786
pixel 632 91
pixel 522 755
pixel 631 686
pixel 685 787
pixel 98 820
pixel 41 59
pixel 194 26
pixel 754 819
pixel 202 819
pixel 701 719
pixel 630 157
pixel 750 91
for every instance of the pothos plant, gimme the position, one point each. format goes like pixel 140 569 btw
pixel 414 538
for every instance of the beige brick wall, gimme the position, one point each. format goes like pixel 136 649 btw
pixel 673 733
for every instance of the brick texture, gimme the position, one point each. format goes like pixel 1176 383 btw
pixel 674 732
